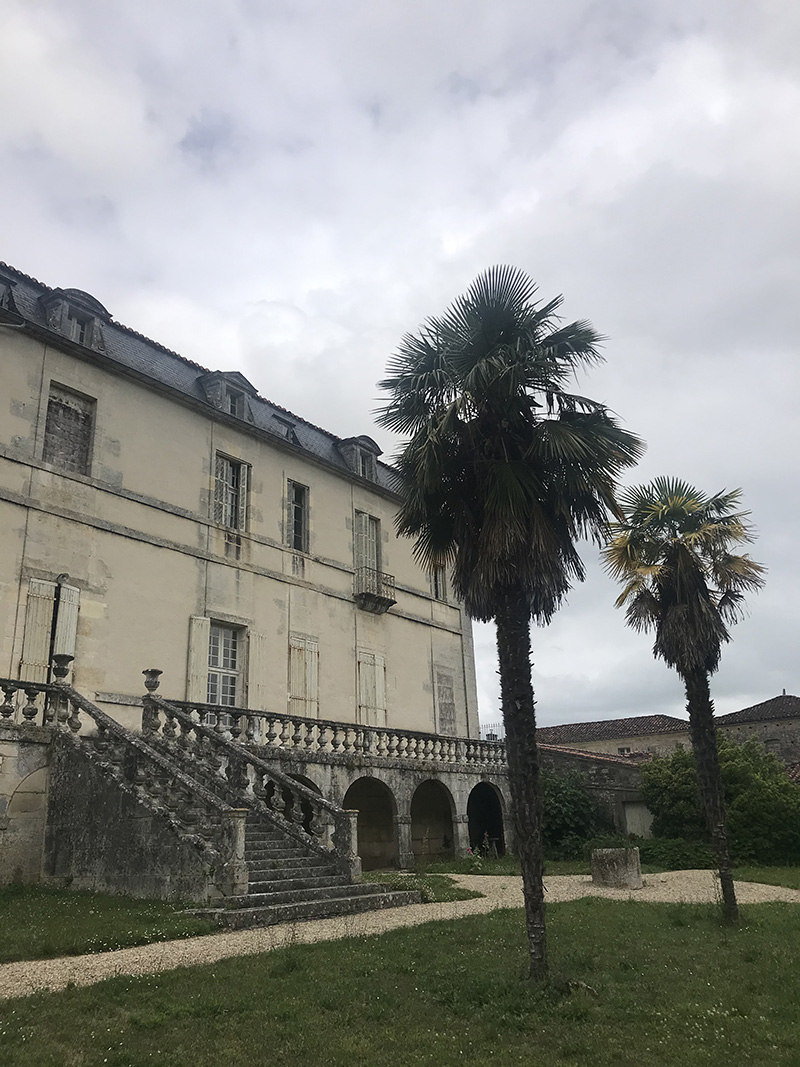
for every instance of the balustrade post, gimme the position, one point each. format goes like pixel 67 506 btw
pixel 149 711
pixel 353 858
pixel 232 877
pixel 8 708
pixel 61 668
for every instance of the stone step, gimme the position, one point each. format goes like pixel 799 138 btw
pixel 258 873
pixel 325 908
pixel 281 857
pixel 279 885
pixel 296 896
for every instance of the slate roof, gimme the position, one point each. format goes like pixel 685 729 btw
pixel 782 707
pixel 129 349
pixel 610 729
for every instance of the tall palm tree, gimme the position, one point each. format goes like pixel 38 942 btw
pixel 502 472
pixel 673 553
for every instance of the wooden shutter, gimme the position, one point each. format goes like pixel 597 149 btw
pixel 446 704
pixel 297 675
pixel 38 626
pixel 380 691
pixel 257 668
pixel 373 551
pixel 197 673
pixel 312 677
pixel 362 525
pixel 67 621
pixel 220 483
pixel 241 517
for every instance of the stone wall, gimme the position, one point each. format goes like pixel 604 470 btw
pixel 614 782
pixel 101 837
pixel 24 758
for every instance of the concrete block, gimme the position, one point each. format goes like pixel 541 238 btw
pixel 617 868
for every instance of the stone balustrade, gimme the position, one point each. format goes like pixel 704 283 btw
pixel 195 813
pixel 207 751
pixel 291 736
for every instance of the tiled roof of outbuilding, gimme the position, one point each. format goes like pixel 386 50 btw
pixel 138 353
pixel 781 707
pixel 610 729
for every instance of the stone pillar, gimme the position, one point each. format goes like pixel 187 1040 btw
pixel 403 843
pixel 232 878
pixel 460 835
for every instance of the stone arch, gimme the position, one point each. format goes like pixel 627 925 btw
pixel 306 807
pixel 432 811
pixel 376 807
pixel 485 817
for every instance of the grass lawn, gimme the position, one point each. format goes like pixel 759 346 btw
pixel 662 985
pixel 39 922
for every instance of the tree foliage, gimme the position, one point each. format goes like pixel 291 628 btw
pixel 763 804
pixel 571 815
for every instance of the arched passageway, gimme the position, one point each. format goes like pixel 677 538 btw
pixel 431 822
pixel 485 818
pixel 376 808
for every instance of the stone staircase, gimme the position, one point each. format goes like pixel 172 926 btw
pixel 185 812
pixel 287 883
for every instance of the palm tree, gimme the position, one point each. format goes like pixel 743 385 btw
pixel 673 552
pixel 502 472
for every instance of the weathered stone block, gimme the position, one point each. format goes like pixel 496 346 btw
pixel 617 868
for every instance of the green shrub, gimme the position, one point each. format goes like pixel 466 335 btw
pixel 570 814
pixel 763 805
pixel 673 854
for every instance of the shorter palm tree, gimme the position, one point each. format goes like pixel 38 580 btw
pixel 673 553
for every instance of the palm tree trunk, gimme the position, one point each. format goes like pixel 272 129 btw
pixel 514 655
pixel 706 754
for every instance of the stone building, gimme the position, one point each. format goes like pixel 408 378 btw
pixel 160 516
pixel 775 723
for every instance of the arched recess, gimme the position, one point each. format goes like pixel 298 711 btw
pixel 307 812
pixel 431 822
pixel 485 818
pixel 376 807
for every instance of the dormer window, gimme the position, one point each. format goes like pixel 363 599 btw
pixel 361 456
pixel 77 316
pixel 284 427
pixel 228 391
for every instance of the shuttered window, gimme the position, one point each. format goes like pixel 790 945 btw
pixel 230 493
pixel 371 689
pixel 303 676
pixel 51 618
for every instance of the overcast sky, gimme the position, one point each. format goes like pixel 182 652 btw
pixel 285 187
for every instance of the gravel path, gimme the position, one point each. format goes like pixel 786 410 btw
pixel 24 978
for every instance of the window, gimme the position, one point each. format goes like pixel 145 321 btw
pixel 297 516
pixel 439 583
pixel 234 403
pixel 68 431
pixel 366 465
pixel 371 689
pixel 230 493
pixel 445 703
pixel 303 676
pixel 78 328
pixel 625 751
pixel 223 666
pixel 367 542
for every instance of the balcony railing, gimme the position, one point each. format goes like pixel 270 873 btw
pixel 374 591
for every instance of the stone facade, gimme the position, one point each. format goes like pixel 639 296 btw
pixel 160 515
